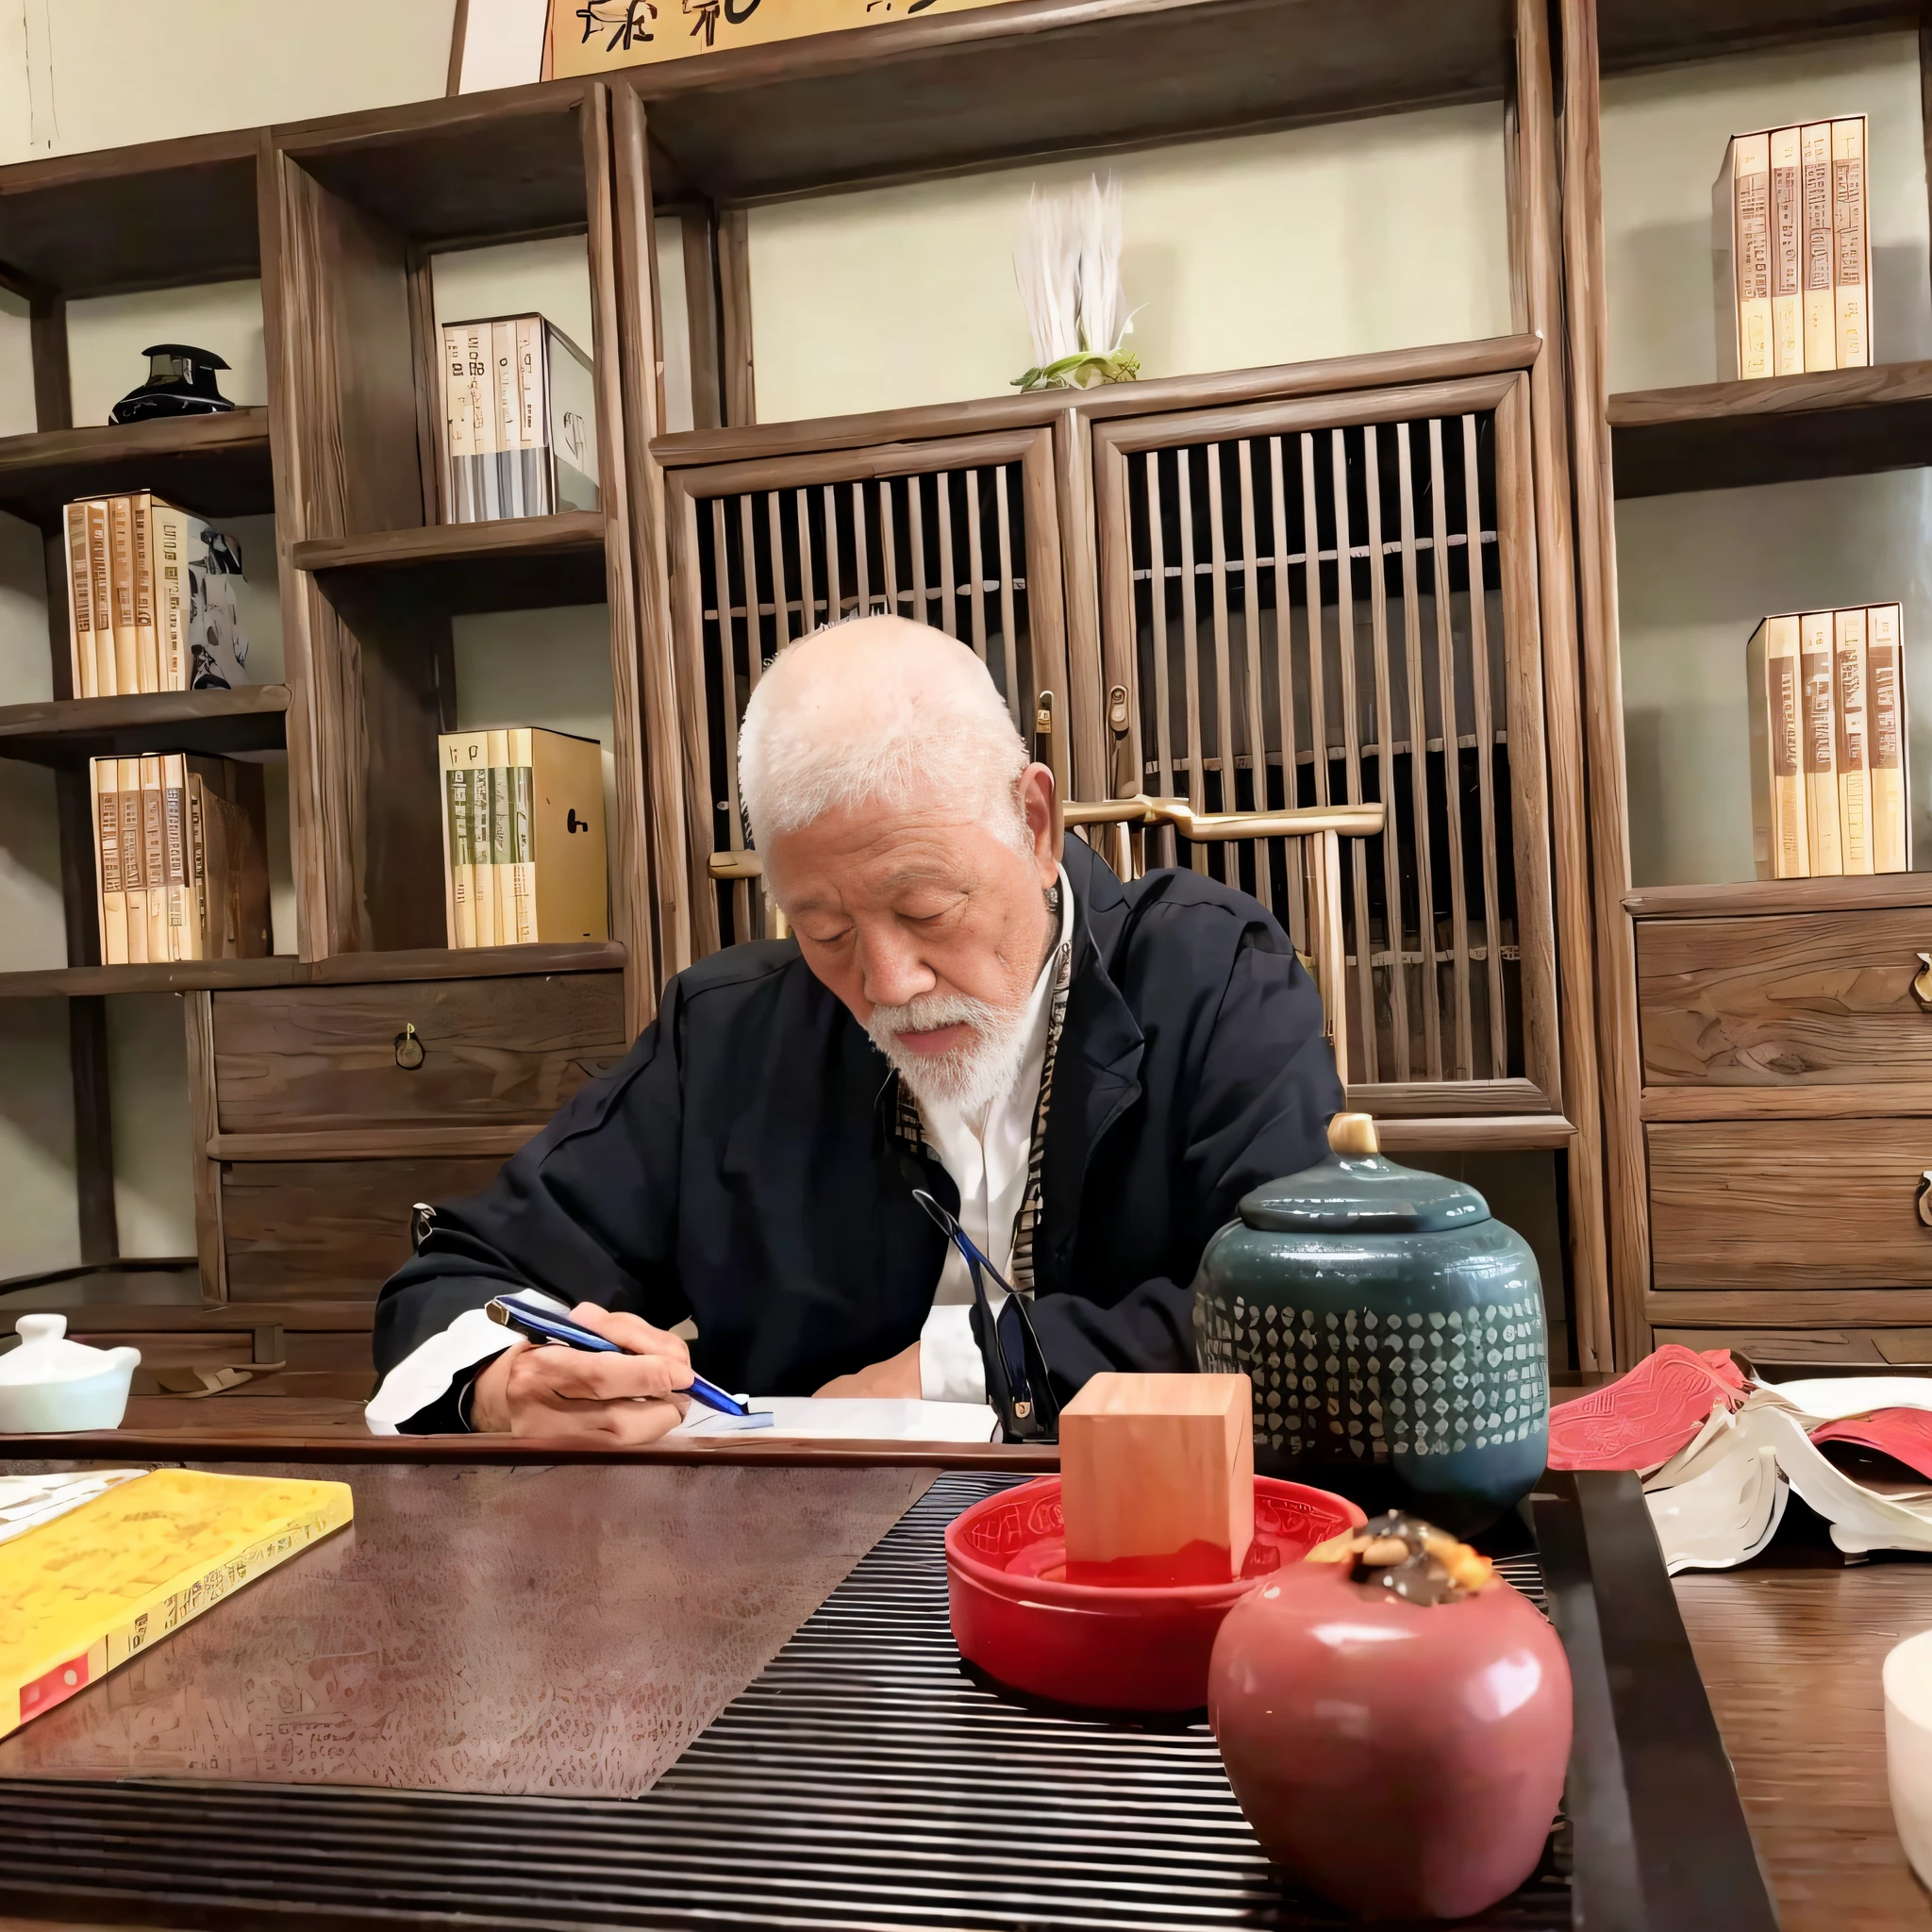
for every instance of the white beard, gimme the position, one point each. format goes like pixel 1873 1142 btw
pixel 970 1077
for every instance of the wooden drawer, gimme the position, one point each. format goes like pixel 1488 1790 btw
pixel 1805 998
pixel 325 1057
pixel 1775 1204
pixel 299 1230
pixel 1904 1347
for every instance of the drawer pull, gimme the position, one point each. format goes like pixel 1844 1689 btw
pixel 1922 983
pixel 409 1047
pixel 1926 1197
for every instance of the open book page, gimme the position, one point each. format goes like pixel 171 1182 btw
pixel 852 1419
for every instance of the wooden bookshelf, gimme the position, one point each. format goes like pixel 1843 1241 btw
pixel 218 466
pixel 69 731
pixel 518 563
pixel 1783 430
pixel 175 976
pixel 1748 897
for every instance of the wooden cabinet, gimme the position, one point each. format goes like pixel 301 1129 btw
pixel 1787 1116
pixel 440 1051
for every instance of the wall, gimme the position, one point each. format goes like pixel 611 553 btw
pixel 1697 571
pixel 1256 250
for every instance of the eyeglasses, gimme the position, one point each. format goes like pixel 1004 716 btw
pixel 1017 1382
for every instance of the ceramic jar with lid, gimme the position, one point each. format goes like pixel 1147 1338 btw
pixel 52 1384
pixel 1391 1328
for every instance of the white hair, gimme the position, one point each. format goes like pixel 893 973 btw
pixel 877 709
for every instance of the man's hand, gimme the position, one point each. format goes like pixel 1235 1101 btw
pixel 616 1399
pixel 896 1375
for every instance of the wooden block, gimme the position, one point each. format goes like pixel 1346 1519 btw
pixel 1158 1478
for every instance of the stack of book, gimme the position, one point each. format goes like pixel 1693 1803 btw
pixel 1793 251
pixel 521 431
pixel 1829 781
pixel 181 859
pixel 523 837
pixel 150 599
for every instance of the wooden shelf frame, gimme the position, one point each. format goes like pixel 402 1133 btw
pixel 218 466
pixel 67 732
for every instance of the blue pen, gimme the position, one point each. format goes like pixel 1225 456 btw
pixel 538 1325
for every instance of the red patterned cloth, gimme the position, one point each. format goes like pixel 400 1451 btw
pixel 1904 1434
pixel 1642 1419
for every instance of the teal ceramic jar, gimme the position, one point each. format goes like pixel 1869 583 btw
pixel 1393 1331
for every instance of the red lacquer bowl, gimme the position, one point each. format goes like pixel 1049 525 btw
pixel 1103 1646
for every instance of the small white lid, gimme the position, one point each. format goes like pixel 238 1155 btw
pixel 45 1355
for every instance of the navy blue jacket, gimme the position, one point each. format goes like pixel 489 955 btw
pixel 741 1167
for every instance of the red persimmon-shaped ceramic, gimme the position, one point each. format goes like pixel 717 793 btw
pixel 1395 1722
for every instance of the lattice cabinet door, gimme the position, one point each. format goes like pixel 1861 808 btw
pixel 961 534
pixel 1332 599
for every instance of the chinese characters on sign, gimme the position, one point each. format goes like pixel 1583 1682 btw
pixel 589 36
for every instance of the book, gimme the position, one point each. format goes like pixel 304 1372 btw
pixel 103 776
pixel 534 474
pixel 459 876
pixel 1780 842
pixel 1821 325
pixel 459 444
pixel 1850 269
pixel 106 658
pixel 500 877
pixel 80 605
pixel 475 753
pixel 560 878
pixel 168 544
pixel 82 1592
pixel 121 577
pixel 154 857
pixel 234 832
pixel 1819 744
pixel 1786 255
pixel 217 644
pixel 146 644
pixel 1885 671
pixel 521 409
pixel 174 838
pixel 133 869
pixel 1854 780
pixel 503 399
pixel 1740 234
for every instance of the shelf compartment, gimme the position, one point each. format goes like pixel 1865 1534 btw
pixel 1781 429
pixel 516 563
pixel 913 98
pixel 70 731
pixel 218 466
pixel 165 214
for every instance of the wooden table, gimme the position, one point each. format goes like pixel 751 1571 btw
pixel 1789 1652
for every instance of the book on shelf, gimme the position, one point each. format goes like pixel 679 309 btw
pixel 1891 839
pixel 181 859
pixel 1790 251
pixel 519 436
pixel 1853 779
pixel 1786 255
pixel 1829 780
pixel 1779 838
pixel 523 834
pixel 150 599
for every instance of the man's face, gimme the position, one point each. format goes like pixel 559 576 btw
pixel 928 927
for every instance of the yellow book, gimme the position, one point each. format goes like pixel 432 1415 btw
pixel 133 860
pixel 1850 271
pixel 500 869
pixel 80 603
pixel 147 646
pixel 106 660
pixel 1820 745
pixel 1779 840
pixel 1853 740
pixel 154 858
pixel 459 868
pixel 1740 235
pixel 105 777
pixel 1885 662
pixel 1787 255
pixel 82 1593
pixel 1821 325
pixel 557 836
pixel 121 568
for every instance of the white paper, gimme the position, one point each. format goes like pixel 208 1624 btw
pixel 855 1419
pixel 1832 1398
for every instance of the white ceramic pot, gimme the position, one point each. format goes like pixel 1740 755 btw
pixel 1909 1746
pixel 49 1383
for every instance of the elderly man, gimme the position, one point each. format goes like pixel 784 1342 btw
pixel 1090 1074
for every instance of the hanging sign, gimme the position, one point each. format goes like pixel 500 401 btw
pixel 591 36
